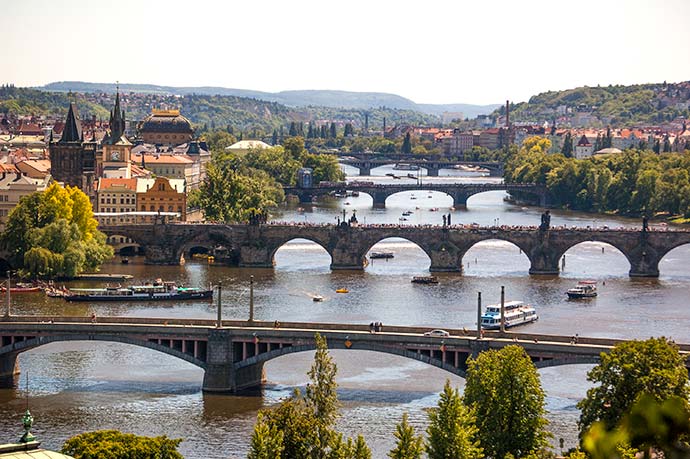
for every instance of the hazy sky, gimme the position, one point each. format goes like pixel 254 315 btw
pixel 483 51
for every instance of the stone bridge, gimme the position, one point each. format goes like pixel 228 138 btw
pixel 460 192
pixel 233 355
pixel 365 165
pixel 255 245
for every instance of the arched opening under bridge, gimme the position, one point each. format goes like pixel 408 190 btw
pixel 420 201
pixel 397 255
pixel 488 204
pixel 300 254
pixel 674 263
pixel 121 367
pixel 495 257
pixel 595 260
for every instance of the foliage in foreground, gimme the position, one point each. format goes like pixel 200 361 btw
pixel 452 429
pixel 654 367
pixel 650 425
pixel 303 426
pixel 113 444
pixel 53 234
pixel 408 445
pixel 504 390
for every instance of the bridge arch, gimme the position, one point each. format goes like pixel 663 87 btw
pixel 595 252
pixel 283 244
pixel 478 257
pixel 370 243
pixel 26 345
pixel 262 358
pixel 123 245
pixel 673 261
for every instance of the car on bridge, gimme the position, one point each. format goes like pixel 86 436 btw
pixel 437 333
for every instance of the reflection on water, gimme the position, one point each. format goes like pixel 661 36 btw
pixel 80 386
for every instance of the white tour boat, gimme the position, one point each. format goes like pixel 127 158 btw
pixel 516 313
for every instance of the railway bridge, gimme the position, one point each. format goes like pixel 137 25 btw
pixel 233 353
pixel 255 245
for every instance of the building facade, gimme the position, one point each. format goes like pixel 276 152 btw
pixel 165 127
pixel 162 195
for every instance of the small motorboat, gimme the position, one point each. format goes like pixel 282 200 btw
pixel 317 298
pixel 342 290
pixel 21 287
pixel 583 289
pixel 424 280
pixel 374 255
pixel 124 260
pixel 407 213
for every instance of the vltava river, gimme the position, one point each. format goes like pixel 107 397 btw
pixel 83 386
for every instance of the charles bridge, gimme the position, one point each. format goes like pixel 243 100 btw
pixel 254 246
pixel 232 353
pixel 460 192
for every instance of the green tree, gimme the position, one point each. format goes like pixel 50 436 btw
pixel 293 419
pixel 504 391
pixel 53 233
pixel 321 396
pixel 452 429
pixel 632 368
pixel 408 445
pixel 649 426
pixel 267 441
pixel 567 149
pixel 333 131
pixel 113 444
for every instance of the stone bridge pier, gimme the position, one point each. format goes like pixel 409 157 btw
pixel 222 374
pixel 9 369
pixel 432 169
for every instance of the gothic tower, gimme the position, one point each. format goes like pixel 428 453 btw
pixel 70 162
pixel 117 150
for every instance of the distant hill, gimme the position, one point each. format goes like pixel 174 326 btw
pixel 212 111
pixel 641 104
pixel 303 98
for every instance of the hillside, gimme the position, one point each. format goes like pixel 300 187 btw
pixel 241 113
pixel 304 98
pixel 644 104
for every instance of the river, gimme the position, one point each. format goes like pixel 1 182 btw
pixel 82 386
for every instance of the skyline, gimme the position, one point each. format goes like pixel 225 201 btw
pixel 450 52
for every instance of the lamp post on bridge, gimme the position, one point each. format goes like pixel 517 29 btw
pixel 251 298
pixel 219 322
pixel 7 294
pixel 503 309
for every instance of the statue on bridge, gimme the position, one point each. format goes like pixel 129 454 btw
pixel 545 221
pixel 257 217
pixel 645 224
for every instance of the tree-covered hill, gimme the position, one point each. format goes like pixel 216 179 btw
pixel 295 98
pixel 241 113
pixel 643 104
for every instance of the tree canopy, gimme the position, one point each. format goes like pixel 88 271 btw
pixel 113 444
pixel 504 390
pixel 631 183
pixel 54 234
pixel 632 368
pixel 452 429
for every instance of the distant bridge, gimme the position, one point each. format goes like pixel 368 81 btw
pixel 460 192
pixel 233 356
pixel 365 164
pixel 255 245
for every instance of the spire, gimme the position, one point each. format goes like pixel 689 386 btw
pixel 117 119
pixel 72 131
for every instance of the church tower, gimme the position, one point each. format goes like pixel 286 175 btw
pixel 117 150
pixel 70 162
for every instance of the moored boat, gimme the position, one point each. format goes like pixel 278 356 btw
pixel 21 287
pixel 424 280
pixel 163 291
pixel 374 255
pixel 583 289
pixel 515 312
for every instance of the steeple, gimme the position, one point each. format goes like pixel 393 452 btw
pixel 117 120
pixel 72 131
